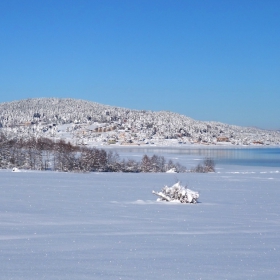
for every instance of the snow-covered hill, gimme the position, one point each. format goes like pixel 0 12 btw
pixel 85 122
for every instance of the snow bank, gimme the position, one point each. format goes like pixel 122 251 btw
pixel 172 170
pixel 15 169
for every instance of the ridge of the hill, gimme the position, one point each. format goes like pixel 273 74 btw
pixel 85 122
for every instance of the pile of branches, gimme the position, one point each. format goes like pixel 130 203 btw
pixel 177 193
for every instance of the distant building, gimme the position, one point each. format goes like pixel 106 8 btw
pixel 222 139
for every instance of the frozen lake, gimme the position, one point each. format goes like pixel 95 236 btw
pixel 109 226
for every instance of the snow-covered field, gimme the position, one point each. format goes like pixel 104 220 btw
pixel 109 226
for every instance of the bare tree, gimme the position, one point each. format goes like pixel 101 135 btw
pixel 207 166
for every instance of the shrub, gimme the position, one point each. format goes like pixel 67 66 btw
pixel 207 166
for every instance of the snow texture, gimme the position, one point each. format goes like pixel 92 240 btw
pixel 109 226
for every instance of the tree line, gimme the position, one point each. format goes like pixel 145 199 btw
pixel 46 154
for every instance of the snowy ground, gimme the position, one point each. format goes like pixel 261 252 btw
pixel 109 226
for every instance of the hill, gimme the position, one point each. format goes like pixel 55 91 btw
pixel 84 122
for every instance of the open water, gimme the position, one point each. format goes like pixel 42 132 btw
pixel 269 157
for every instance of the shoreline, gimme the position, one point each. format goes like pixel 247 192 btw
pixel 185 146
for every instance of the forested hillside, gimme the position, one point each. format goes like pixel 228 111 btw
pixel 84 122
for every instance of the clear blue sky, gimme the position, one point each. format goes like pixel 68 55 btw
pixel 210 60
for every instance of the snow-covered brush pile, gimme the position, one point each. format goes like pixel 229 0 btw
pixel 177 193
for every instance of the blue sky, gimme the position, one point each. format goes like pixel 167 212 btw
pixel 209 60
